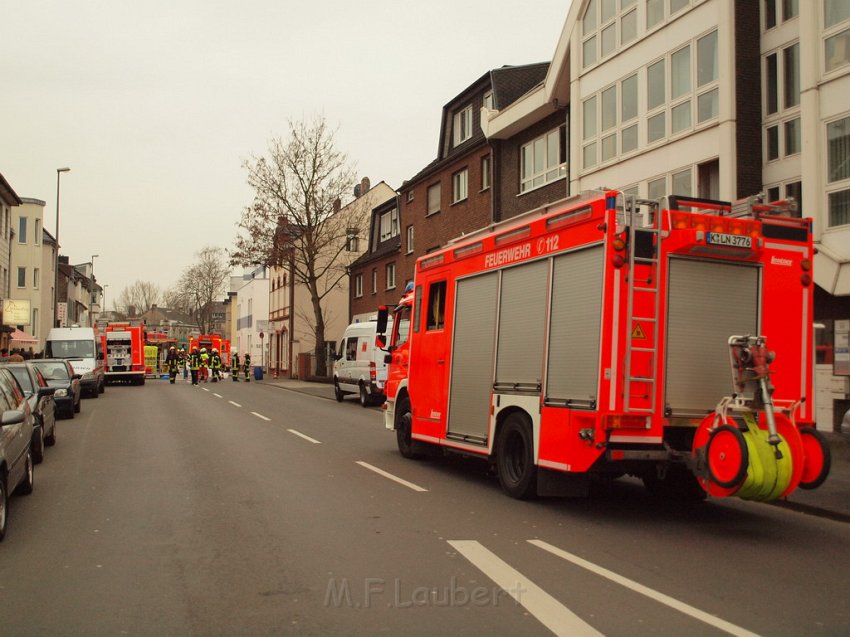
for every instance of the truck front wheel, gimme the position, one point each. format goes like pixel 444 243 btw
pixel 515 457
pixel 403 430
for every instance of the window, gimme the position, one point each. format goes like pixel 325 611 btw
pixel 605 21
pixel 22 230
pixel 794 190
pixel 657 188
pixel 838 170
pixel 782 101
pixel 462 128
pixel 389 224
pixel 837 50
pixel 390 276
pixel 790 9
pixel 682 183
pixel 708 180
pixel 358 286
pixel 680 73
pixel 434 199
pixel 839 208
pixel 351 348
pixel 410 195
pixel 544 159
pixel 485 172
pixel 656 94
pixel 791 78
pixel 352 241
pixel 792 136
pixel 436 306
pixel 37 238
pixel 409 239
pixel 654 13
pixel 488 100
pixel 460 185
pixel 22 277
pixel 35 278
pixel 707 70
pixel 374 280
pixel 773 143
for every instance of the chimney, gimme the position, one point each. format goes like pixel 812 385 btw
pixel 131 310
pixel 337 204
pixel 364 185
pixel 153 307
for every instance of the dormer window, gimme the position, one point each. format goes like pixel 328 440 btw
pixel 389 224
pixel 462 129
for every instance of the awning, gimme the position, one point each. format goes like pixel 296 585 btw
pixel 19 336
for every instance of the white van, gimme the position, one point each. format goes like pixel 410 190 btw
pixel 359 367
pixel 83 348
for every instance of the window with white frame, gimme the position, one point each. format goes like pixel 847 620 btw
pixel 374 280
pixel 460 185
pixel 838 171
pixel 836 14
pixel 37 238
pixel 352 241
pixel 543 160
pixel 488 100
pixel 389 224
pixel 36 275
pixel 782 127
pixel 786 190
pixel 462 125
pixel 606 26
pixel 22 230
pixel 485 172
pixel 433 199
pixel 409 239
pixel 390 276
pixel 22 277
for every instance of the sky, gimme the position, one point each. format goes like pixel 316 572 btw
pixel 156 105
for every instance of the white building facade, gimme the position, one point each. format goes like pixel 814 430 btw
pixel 252 317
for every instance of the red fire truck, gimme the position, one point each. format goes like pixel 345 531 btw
pixel 603 336
pixel 123 344
pixel 210 341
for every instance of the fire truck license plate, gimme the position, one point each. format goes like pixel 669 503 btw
pixel 731 240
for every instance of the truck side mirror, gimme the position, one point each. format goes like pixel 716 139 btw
pixel 380 341
pixel 383 314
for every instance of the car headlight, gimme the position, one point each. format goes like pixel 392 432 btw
pixel 60 393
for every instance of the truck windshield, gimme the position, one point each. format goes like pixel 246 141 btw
pixel 70 349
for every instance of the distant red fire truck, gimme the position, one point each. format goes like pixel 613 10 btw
pixel 603 336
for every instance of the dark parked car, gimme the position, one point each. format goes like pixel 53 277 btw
pixel 40 397
pixel 16 427
pixel 59 374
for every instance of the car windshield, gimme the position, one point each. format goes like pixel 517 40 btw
pixel 24 379
pixel 53 371
pixel 70 349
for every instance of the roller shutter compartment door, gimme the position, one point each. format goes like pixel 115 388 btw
pixel 472 356
pixel 707 303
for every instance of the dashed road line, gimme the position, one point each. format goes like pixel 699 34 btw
pixel 381 472
pixel 234 404
pixel 661 598
pixel 204 388
pixel 217 395
pixel 545 608
pixel 306 437
pixel 260 416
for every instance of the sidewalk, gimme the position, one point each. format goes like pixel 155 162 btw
pixel 830 500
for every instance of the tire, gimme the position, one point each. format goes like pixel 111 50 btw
pixel 4 506
pixel 338 392
pixel 102 386
pixel 37 445
pixel 407 447
pixel 365 399
pixel 728 456
pixel 26 486
pixel 51 439
pixel 515 457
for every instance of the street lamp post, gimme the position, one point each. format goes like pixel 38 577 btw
pixel 93 257
pixel 59 172
pixel 105 285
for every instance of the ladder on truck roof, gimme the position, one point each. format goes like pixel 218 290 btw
pixel 648 289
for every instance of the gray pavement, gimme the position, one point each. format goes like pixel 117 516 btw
pixel 830 500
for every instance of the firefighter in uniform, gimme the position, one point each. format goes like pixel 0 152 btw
pixel 247 368
pixel 215 364
pixel 205 365
pixel 194 365
pixel 172 361
pixel 234 367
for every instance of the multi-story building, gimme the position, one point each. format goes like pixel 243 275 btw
pixel 8 199
pixel 252 314
pixel 31 283
pixel 710 98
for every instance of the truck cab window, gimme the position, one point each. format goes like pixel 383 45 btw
pixel 403 330
pixel 436 305
pixel 351 349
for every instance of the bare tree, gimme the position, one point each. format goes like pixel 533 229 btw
pixel 203 283
pixel 176 298
pixel 295 218
pixel 140 296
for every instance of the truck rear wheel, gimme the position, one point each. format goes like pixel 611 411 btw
pixel 515 457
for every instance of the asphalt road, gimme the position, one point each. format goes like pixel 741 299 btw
pixel 243 509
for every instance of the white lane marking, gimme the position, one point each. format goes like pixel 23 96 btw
pixel 204 388
pixel 306 437
pixel 381 472
pixel 260 416
pixel 661 598
pixel 545 608
pixel 234 404
pixel 216 395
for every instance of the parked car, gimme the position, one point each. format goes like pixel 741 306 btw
pixel 16 427
pixel 59 374
pixel 359 366
pixel 40 397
